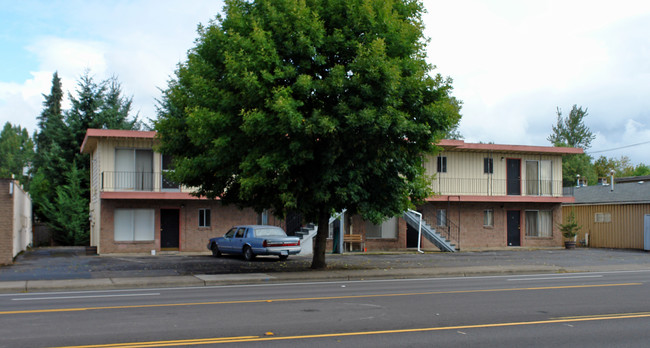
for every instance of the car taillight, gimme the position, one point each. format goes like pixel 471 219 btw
pixel 267 244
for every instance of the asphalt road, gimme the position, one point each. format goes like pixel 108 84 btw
pixel 564 310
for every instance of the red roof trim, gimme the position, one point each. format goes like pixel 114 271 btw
pixel 504 199
pixel 115 133
pixel 149 195
pixel 461 145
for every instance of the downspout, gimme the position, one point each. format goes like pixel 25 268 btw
pixel 419 229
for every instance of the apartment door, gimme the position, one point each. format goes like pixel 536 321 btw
pixel 513 166
pixel 169 229
pixel 514 227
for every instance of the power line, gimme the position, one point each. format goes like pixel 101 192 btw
pixel 622 147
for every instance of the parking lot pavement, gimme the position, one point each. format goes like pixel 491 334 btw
pixel 70 266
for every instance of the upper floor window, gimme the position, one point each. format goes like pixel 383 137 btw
pixel 539 178
pixel 133 169
pixel 488 165
pixel 166 164
pixel 442 164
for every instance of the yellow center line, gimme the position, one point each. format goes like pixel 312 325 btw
pixel 361 333
pixel 315 298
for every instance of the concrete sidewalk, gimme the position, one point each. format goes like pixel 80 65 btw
pixel 59 269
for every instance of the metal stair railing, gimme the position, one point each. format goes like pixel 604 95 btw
pixel 430 233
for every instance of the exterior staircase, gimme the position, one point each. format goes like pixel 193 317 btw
pixel 306 235
pixel 429 232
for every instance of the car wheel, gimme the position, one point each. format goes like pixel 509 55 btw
pixel 283 257
pixel 248 253
pixel 215 250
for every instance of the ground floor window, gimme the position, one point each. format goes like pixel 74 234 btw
pixel 539 223
pixel 602 217
pixel 441 217
pixel 204 217
pixel 388 229
pixel 134 225
pixel 488 218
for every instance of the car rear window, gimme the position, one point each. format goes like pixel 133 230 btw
pixel 269 232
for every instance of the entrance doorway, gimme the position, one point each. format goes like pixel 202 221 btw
pixel 513 166
pixel 169 229
pixel 514 228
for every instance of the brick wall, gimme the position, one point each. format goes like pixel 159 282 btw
pixel 474 235
pixel 6 223
pixel 192 238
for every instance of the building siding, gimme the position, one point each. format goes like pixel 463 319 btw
pixel 625 229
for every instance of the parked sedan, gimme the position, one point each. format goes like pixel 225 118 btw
pixel 252 240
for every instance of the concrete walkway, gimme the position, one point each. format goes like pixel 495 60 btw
pixel 57 269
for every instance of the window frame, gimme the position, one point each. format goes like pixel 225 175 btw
pixel 441 164
pixel 134 224
pixel 538 223
pixel 488 165
pixel 488 218
pixel 441 217
pixel 205 218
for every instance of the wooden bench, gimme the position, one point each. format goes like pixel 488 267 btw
pixel 351 239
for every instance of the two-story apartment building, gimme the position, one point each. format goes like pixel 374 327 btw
pixel 486 196
pixel 134 209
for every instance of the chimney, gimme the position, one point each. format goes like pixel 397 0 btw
pixel 611 187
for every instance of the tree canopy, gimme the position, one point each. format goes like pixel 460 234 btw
pixel 308 106
pixel 572 131
pixel 60 175
pixel 16 151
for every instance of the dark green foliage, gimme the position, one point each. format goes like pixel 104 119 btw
pixel 16 152
pixel 572 131
pixel 57 199
pixel 574 165
pixel 68 212
pixel 570 228
pixel 311 106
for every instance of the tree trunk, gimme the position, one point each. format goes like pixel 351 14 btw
pixel 318 260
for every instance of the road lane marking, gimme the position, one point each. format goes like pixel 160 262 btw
pixel 555 278
pixel 323 298
pixel 458 328
pixel 78 297
pixel 169 343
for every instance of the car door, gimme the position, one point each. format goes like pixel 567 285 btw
pixel 238 241
pixel 225 243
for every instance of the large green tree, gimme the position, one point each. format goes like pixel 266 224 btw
pixel 571 131
pixel 56 196
pixel 309 106
pixel 16 151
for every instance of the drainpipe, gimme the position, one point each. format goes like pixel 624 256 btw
pixel 419 229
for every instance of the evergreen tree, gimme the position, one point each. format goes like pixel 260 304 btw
pixel 572 132
pixel 94 105
pixel 68 212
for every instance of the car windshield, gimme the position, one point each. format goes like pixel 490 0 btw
pixel 230 233
pixel 269 232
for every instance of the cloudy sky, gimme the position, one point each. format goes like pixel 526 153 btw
pixel 513 62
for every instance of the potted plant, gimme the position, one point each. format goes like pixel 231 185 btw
pixel 570 231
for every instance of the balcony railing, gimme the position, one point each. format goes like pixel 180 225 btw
pixel 496 187
pixel 137 181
